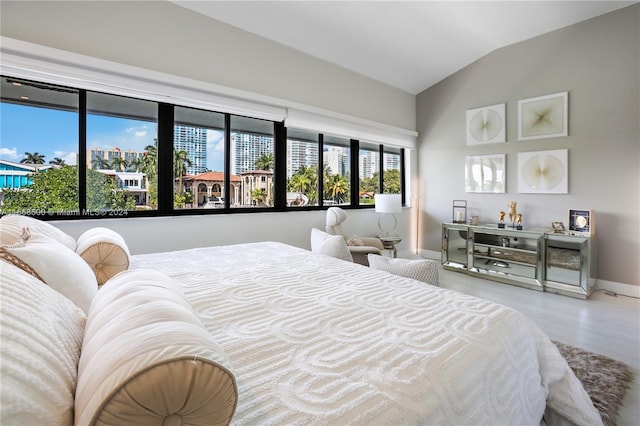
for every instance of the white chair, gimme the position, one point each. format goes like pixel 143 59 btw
pixel 370 245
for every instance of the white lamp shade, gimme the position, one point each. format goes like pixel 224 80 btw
pixel 388 203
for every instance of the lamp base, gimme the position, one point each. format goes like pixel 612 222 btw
pixel 386 226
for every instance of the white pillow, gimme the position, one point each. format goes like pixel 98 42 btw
pixel 11 226
pixel 331 245
pixel 424 270
pixel 41 334
pixel 148 359
pixel 105 251
pixel 58 266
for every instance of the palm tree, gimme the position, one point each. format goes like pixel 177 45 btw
pixel 337 186
pixel 180 163
pixel 265 162
pixel 118 164
pixel 135 165
pixel 57 162
pixel 32 158
pixel 259 195
pixel 99 163
pixel 150 160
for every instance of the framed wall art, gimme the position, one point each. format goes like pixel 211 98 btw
pixel 485 173
pixel 543 172
pixel 486 125
pixel 543 117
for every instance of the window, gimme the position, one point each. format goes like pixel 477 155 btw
pixel 198 158
pixel 369 172
pixel 336 157
pixel 302 168
pixel 121 148
pixel 75 152
pixel 392 183
pixel 40 145
pixel 252 162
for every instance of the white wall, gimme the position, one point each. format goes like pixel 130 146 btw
pixel 598 62
pixel 159 234
pixel 163 37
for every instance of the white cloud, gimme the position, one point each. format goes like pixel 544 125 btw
pixel 9 153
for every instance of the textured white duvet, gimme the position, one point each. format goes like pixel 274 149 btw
pixel 316 340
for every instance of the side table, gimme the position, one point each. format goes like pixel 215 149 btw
pixel 389 243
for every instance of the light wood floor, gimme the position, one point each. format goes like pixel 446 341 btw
pixel 603 324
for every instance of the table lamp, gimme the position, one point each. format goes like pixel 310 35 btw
pixel 388 204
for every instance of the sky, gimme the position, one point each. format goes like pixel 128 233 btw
pixel 54 133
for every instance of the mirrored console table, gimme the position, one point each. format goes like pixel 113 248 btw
pixel 533 258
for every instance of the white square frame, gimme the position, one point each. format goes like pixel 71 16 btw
pixel 486 125
pixel 543 117
pixel 485 173
pixel 543 172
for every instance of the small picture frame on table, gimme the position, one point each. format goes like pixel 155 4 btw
pixel 581 222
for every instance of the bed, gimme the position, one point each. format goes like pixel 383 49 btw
pixel 314 340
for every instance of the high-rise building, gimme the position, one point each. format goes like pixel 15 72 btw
pixel 299 154
pixel 368 163
pixel 246 148
pixel 336 158
pixel 193 140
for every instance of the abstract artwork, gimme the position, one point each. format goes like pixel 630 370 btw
pixel 543 172
pixel 543 117
pixel 485 173
pixel 486 125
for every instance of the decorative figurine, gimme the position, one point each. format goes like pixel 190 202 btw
pixel 519 221
pixel 501 219
pixel 512 211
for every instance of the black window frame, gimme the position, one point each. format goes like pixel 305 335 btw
pixel 165 132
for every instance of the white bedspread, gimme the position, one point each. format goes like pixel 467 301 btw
pixel 316 340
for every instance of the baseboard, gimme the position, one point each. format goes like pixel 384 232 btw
pixel 615 287
pixel 618 288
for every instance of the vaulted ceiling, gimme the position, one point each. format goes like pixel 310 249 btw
pixel 410 45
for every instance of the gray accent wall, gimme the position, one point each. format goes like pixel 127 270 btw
pixel 598 63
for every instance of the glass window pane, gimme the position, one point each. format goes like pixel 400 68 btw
pixel 302 168
pixel 337 171
pixel 198 158
pixel 39 152
pixel 391 164
pixel 122 149
pixel 369 173
pixel 252 162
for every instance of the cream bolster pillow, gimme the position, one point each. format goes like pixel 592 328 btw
pixel 148 360
pixel 11 227
pixel 105 251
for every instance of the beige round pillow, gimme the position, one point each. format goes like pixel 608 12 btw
pixel 105 251
pixel 148 360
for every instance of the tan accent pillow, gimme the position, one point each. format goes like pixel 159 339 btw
pixel 105 251
pixel 11 226
pixel 424 270
pixel 41 336
pixel 148 360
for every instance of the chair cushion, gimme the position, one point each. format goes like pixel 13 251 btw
pixel 330 245
pixel 424 270
pixel 105 251
pixel 147 359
